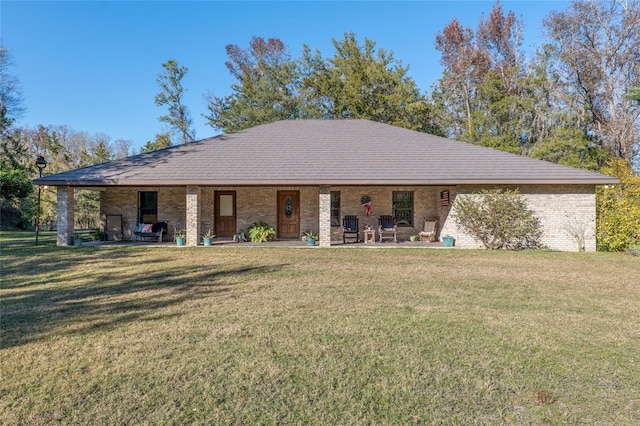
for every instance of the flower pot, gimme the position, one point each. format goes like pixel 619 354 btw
pixel 206 241
pixel 448 241
pixel 311 241
pixel 413 238
pixel 179 241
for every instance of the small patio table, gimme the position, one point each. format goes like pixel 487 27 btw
pixel 369 236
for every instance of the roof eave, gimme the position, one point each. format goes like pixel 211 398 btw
pixel 604 180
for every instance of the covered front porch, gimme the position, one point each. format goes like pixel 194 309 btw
pixel 291 211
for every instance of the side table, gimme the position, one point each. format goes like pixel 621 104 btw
pixel 369 236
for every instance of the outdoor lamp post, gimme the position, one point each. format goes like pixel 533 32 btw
pixel 41 163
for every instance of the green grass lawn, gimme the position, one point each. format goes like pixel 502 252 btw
pixel 240 335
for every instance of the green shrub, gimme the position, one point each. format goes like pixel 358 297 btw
pixel 499 219
pixel 618 206
pixel 260 232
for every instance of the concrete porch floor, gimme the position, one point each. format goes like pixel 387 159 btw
pixel 225 243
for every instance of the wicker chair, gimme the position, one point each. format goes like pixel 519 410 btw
pixel 429 230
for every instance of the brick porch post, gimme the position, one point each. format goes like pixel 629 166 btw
pixel 324 216
pixel 193 215
pixel 64 207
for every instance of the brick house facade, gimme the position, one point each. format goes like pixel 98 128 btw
pixel 324 168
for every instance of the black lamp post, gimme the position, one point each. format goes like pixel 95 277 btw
pixel 41 163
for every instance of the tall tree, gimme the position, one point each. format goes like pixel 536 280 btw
pixel 122 148
pixel 101 151
pixel 265 87
pixel 16 164
pixel 465 66
pixel 360 81
pixel 11 99
pixel 597 45
pixel 171 94
pixel 162 140
pixel 483 94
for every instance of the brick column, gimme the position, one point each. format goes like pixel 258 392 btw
pixel 193 215
pixel 324 216
pixel 65 201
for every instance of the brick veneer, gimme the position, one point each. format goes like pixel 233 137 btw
pixel 325 216
pixel 193 215
pixel 556 206
pixel 64 207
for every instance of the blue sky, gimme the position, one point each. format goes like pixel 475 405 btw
pixel 93 65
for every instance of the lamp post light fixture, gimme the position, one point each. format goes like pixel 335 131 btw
pixel 41 163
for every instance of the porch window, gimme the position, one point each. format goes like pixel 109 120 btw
pixel 403 208
pixel 147 207
pixel 335 208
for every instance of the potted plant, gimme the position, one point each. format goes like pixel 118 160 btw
pixel 413 237
pixel 207 237
pixel 312 237
pixel 448 241
pixel 180 236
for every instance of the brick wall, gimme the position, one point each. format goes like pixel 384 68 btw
pixel 559 208
pixel 425 206
pixel 254 204
pixel 172 204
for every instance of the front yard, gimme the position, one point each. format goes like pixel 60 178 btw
pixel 246 335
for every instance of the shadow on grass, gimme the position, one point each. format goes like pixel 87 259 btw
pixel 42 297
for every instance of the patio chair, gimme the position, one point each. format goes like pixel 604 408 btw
pixel 350 229
pixel 387 228
pixel 429 230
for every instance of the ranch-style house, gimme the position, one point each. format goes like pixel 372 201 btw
pixel 306 175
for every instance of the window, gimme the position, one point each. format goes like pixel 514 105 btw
pixel 335 208
pixel 147 207
pixel 403 208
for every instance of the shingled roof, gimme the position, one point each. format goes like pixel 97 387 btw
pixel 325 152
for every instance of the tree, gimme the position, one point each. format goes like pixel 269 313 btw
pixel 171 93
pixel 483 95
pixel 14 183
pixel 618 208
pixel 358 82
pixel 122 148
pixel 162 140
pixel 101 150
pixel 265 87
pixel 362 82
pixel 634 94
pixel 11 99
pixel 570 147
pixel 596 45
pixel 465 66
pixel 16 164
pixel 499 219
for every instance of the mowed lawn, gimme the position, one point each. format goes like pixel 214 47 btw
pixel 240 335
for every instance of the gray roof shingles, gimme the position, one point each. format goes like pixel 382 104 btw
pixel 331 152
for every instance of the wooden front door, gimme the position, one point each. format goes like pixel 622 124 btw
pixel 288 214
pixel 225 213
